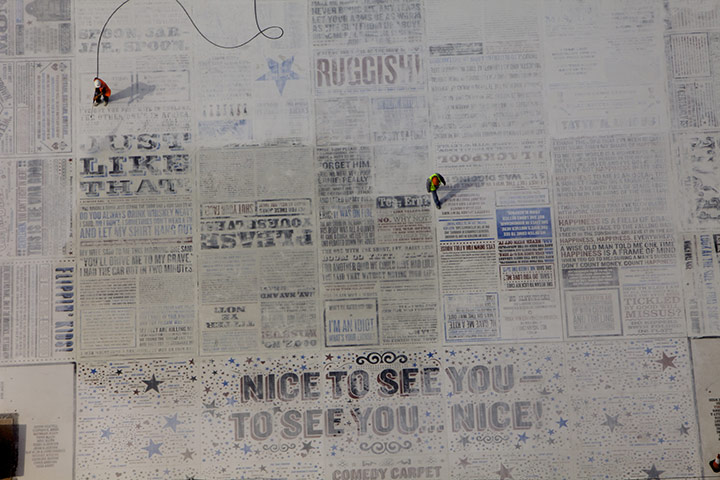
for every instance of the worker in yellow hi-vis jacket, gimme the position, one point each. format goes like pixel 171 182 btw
pixel 432 184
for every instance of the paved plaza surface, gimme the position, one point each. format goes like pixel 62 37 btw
pixel 236 269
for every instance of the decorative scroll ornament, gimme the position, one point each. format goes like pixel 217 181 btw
pixel 497 438
pixel 373 358
pixel 379 448
pixel 284 447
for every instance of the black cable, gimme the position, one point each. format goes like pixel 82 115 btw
pixel 261 31
pixel 97 62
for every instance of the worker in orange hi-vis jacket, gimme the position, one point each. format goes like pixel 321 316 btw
pixel 432 184
pixel 102 92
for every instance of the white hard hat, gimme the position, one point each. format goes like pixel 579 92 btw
pixel 97 83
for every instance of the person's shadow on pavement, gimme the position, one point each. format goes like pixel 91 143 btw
pixel 136 92
pixel 456 188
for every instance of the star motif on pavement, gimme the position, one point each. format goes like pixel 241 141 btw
pixel 612 422
pixel 172 422
pixel 118 371
pixel 328 356
pixel 562 422
pixel 280 73
pixel 666 361
pixel 307 446
pixel 464 440
pixel 136 392
pixel 653 473
pixel 246 448
pixel 106 433
pixel 187 454
pixel 210 407
pixel 207 389
pixel 504 472
pixel 522 438
pixel 153 384
pixel 464 462
pixel 263 468
pixel 153 448
pixel 684 430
